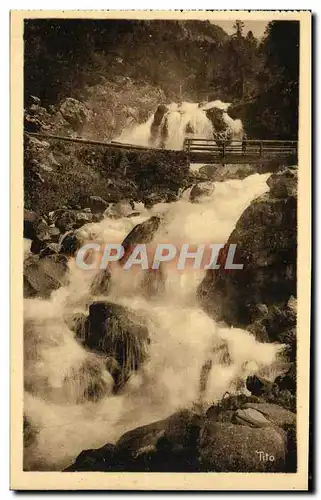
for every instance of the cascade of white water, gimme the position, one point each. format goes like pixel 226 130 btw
pixel 181 121
pixel 183 337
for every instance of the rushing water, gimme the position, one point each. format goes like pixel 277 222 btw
pixel 183 338
pixel 187 119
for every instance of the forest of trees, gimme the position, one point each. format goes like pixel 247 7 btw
pixel 191 60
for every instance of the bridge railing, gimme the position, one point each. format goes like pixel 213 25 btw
pixel 250 147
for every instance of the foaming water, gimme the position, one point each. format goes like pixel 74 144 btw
pixel 183 338
pixel 187 119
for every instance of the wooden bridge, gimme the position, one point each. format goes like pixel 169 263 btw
pixel 247 151
pixel 207 150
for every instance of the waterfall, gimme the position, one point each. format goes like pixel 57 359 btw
pixel 183 338
pixel 185 120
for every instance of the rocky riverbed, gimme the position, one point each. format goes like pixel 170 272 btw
pixel 117 340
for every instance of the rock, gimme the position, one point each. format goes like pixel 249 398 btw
pixel 201 189
pixel 284 184
pixel 97 204
pixel 225 447
pixel 258 386
pixel 152 199
pixel 101 283
pixel 75 113
pixel 287 381
pixel 65 220
pixel 251 418
pixel 43 276
pixel 54 234
pixel 94 460
pixel 83 218
pixel 210 171
pixel 121 209
pixel 38 244
pixel 119 333
pixel 29 432
pixel 50 249
pixel 70 243
pixel 274 413
pixel 97 217
pixel 78 323
pixel 161 111
pixel 142 233
pixel 170 444
pixel 266 238
pixel 30 221
pixel 220 173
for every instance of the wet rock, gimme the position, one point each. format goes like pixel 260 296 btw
pixel 43 276
pixel 121 209
pixel 201 189
pixel 227 447
pixel 166 445
pixel 251 418
pixel 78 323
pixel 153 198
pixel 54 234
pixel 265 236
pixel 94 460
pixel 97 204
pixel 258 386
pixel 274 413
pixel 65 220
pixel 101 283
pixel 82 218
pixel 287 381
pixel 50 249
pixel 70 243
pixel 284 184
pixel 97 217
pixel 142 233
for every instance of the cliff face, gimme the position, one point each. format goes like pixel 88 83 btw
pixel 68 56
pixel 265 236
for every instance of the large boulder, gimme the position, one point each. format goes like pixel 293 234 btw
pixel 168 445
pixel 120 335
pixel 200 190
pixel 97 204
pixel 44 275
pixel 221 173
pixel 266 238
pixel 70 243
pixel 142 233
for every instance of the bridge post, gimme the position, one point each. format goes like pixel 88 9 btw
pixel 261 148
pixel 223 151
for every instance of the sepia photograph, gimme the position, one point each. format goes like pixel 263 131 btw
pixel 160 209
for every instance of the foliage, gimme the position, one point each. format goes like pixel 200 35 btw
pixel 113 174
pixel 274 113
